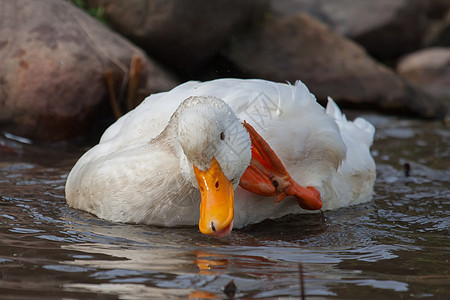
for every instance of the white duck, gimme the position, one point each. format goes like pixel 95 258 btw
pixel 150 165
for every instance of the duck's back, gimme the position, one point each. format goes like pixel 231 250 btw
pixel 262 103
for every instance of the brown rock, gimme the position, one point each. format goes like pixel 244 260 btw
pixel 430 70
pixel 300 47
pixel 184 34
pixel 54 57
pixel 386 28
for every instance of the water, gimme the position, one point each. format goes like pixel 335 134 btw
pixel 396 246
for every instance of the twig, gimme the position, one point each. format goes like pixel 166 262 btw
pixel 133 83
pixel 302 282
pixel 112 95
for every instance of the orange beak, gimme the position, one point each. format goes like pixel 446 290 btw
pixel 217 204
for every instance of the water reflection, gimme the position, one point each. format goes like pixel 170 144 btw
pixel 165 260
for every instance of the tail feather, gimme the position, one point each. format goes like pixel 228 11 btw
pixel 360 129
pixel 353 183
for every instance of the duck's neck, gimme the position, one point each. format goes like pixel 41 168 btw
pixel 169 141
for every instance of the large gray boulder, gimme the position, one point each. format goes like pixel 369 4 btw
pixel 184 34
pixel 385 28
pixel 54 58
pixel 428 69
pixel 299 47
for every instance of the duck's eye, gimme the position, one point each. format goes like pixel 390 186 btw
pixel 222 135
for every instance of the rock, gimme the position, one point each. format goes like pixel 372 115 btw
pixel 437 9
pixel 438 32
pixel 385 28
pixel 300 47
pixel 54 58
pixel 182 34
pixel 430 70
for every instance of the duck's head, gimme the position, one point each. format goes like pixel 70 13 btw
pixel 215 152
